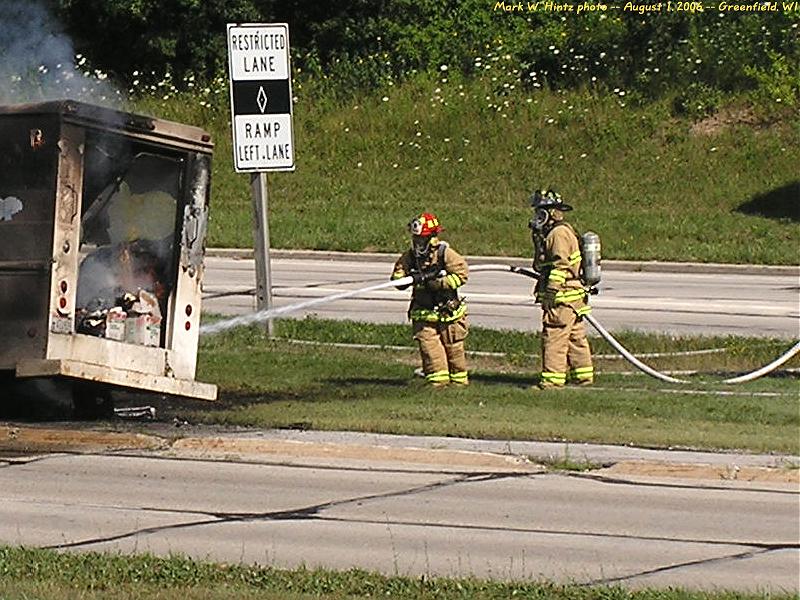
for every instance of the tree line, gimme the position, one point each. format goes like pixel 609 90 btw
pixel 699 57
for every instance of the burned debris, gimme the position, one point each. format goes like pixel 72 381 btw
pixel 131 318
pixel 128 240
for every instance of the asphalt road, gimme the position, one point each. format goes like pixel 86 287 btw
pixel 499 523
pixel 674 299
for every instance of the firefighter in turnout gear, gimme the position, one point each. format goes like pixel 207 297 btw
pixel 561 293
pixel 438 314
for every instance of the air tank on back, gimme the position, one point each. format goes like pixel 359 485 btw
pixel 590 254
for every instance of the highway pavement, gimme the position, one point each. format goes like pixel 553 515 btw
pixel 409 506
pixel 679 299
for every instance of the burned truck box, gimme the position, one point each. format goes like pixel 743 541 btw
pixel 102 236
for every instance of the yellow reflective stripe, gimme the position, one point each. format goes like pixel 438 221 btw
pixel 438 377
pixel 398 275
pixel 457 314
pixel 584 310
pixel 558 378
pixel 565 296
pixel 583 373
pixel 431 316
pixel 453 281
pixel 575 257
pixel 424 314
pixel 460 377
pixel 558 276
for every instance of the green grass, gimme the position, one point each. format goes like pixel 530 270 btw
pixel 278 383
pixel 472 151
pixel 27 573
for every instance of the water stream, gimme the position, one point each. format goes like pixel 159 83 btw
pixel 264 315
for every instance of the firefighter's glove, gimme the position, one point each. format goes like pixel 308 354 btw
pixel 423 277
pixel 548 299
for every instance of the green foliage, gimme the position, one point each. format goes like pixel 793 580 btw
pixel 604 108
pixel 698 100
pixel 145 39
pixel 362 44
pixel 778 81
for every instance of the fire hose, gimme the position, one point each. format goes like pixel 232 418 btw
pixel 791 352
pixel 270 313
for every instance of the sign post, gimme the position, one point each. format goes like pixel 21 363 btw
pixel 261 119
pixel 258 189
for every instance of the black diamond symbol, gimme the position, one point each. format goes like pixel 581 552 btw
pixel 261 98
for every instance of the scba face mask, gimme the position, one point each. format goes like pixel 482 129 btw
pixel 541 216
pixel 421 245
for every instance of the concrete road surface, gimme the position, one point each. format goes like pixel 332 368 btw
pixel 666 298
pixel 461 518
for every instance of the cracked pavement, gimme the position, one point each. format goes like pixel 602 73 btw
pixel 449 511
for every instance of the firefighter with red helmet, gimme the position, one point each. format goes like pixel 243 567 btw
pixel 561 293
pixel 437 312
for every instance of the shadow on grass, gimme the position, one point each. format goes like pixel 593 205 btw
pixel 780 203
pixel 348 382
pixel 333 387
pixel 523 380
pixel 238 399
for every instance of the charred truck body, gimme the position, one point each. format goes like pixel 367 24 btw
pixel 102 235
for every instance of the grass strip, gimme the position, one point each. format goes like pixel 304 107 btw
pixel 46 574
pixel 278 384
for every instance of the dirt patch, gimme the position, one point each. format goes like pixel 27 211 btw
pixel 35 439
pixel 787 474
pixel 728 117
pixel 288 449
pixel 20 440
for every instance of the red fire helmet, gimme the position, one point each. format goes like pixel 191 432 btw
pixel 425 225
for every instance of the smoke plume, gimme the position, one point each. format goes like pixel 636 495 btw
pixel 38 61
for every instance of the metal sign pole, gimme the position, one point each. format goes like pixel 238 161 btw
pixel 261 125
pixel 258 185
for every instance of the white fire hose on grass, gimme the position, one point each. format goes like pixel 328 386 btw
pixel 791 352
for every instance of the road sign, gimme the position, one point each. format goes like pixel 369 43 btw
pixel 261 97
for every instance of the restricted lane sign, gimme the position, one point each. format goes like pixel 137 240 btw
pixel 261 97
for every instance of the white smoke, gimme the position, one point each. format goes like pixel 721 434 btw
pixel 38 61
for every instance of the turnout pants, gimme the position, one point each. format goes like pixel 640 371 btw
pixel 441 346
pixel 565 348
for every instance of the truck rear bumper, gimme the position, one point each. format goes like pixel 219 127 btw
pixel 118 377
